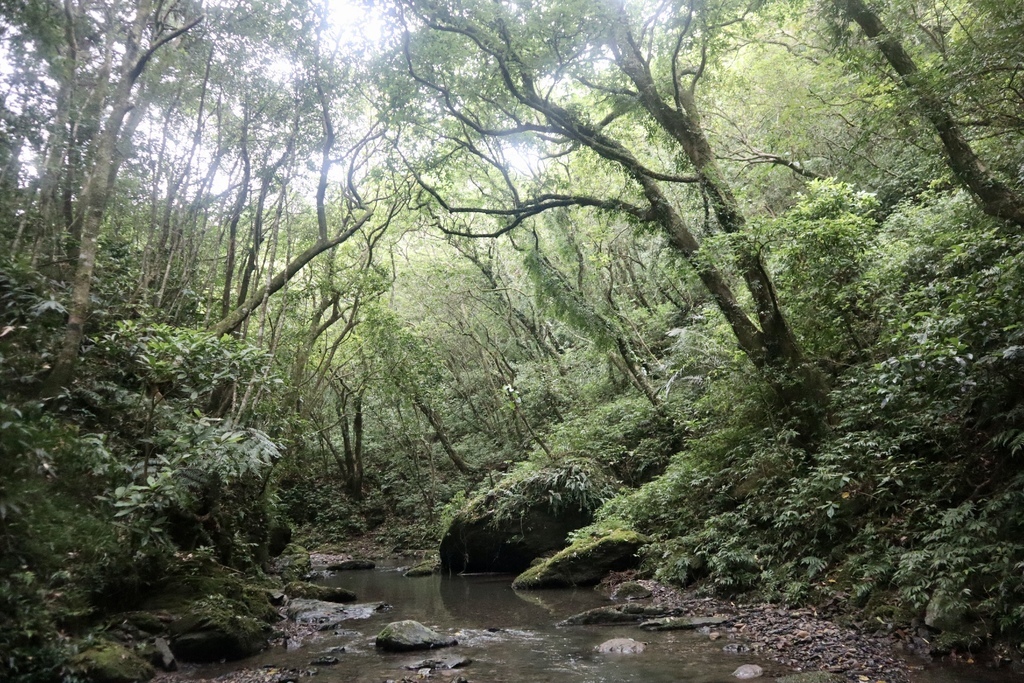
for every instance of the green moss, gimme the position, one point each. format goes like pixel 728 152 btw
pixel 109 662
pixel 193 581
pixel 425 568
pixel 585 562
pixel 294 563
pixel 302 589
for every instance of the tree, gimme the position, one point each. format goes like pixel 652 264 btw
pixel 133 40
pixel 996 198
pixel 529 78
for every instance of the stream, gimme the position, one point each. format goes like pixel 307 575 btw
pixel 511 637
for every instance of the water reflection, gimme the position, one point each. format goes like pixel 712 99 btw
pixel 511 638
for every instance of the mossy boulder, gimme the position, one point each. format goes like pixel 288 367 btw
pixel 425 568
pixel 293 564
pixel 585 562
pixel 214 628
pixel 312 591
pixel 217 613
pixel 109 662
pixel 528 515
pixel 403 636
pixel 631 590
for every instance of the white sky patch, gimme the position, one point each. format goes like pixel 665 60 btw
pixel 281 70
pixel 525 160
pixel 6 68
pixel 355 25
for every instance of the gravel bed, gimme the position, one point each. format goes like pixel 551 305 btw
pixel 801 639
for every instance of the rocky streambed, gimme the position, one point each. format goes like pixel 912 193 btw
pixel 646 633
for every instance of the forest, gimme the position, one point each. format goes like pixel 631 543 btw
pixel 744 278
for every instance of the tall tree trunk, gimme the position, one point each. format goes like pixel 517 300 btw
pixel 98 188
pixel 236 216
pixel 995 197
pixel 442 435
pixel 233 320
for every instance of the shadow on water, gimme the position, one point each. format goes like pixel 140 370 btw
pixel 510 637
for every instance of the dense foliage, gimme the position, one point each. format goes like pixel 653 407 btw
pixel 748 279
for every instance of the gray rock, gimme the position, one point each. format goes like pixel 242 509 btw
pixel 439 664
pixel 617 614
pixel 327 615
pixel 748 671
pixel 162 656
pixel 631 590
pixel 682 623
pixel 348 565
pixel 944 613
pixel 403 636
pixel 621 646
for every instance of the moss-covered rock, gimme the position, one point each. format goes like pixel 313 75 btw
pixel 293 564
pixel 403 636
pixel 217 613
pixel 109 662
pixel 150 623
pixel 631 590
pixel 585 562
pixel 214 628
pixel 529 514
pixel 302 589
pixel 425 568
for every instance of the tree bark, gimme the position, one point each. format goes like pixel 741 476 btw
pixel 995 197
pixel 233 320
pixel 98 188
pixel 442 435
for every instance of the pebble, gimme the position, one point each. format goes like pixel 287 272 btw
pixel 748 671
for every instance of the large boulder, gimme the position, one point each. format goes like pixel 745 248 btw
pixel 327 615
pixel 108 662
pixel 293 564
pixel 585 562
pixel 403 636
pixel 528 515
pixel 213 629
pixel 214 613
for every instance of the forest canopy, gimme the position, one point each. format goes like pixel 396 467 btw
pixel 745 277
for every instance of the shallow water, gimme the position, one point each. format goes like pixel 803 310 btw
pixel 511 637
pixel 526 647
